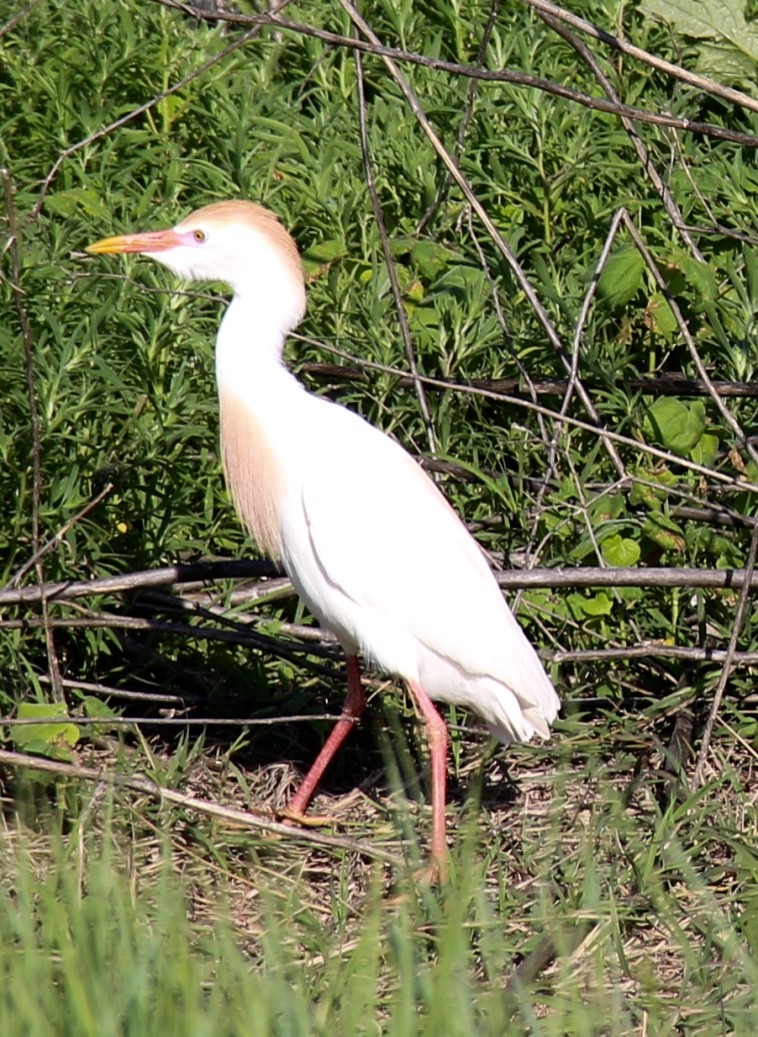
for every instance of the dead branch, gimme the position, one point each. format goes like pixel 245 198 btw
pixel 243 818
pixel 511 579
pixel 189 572
pixel 638 445
pixel 663 384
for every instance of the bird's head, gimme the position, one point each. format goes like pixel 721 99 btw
pixel 237 242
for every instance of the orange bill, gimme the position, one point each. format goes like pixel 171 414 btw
pixel 152 241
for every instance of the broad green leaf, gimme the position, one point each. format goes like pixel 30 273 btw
pixel 700 277
pixel 659 316
pixel 630 594
pixel 51 751
pixel 729 47
pixel 683 273
pixel 45 738
pixel 675 425
pixel 705 450
pixel 620 551
pixel 664 532
pixel 582 606
pixel 700 19
pixel 598 605
pixel 652 496
pixel 430 259
pixel 646 495
pixel 722 61
pixel 622 276
pixel 609 506
pixel 325 251
pixel 95 707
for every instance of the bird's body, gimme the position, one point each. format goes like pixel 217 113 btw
pixel 371 545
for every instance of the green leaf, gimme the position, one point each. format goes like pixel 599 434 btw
pixel 68 203
pixel 620 551
pixel 95 707
pixel 683 273
pixel 598 605
pixel 659 316
pixel 430 259
pixel 651 496
pixel 325 251
pixel 610 506
pixel 729 43
pixel 622 276
pixel 700 19
pixel 45 738
pixel 675 425
pixel 664 532
pixel 705 450
pixel 582 606
pixel 700 277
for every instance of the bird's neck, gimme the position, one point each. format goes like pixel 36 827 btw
pixel 249 348
pixel 258 400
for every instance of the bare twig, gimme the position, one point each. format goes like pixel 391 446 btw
pixel 715 516
pixel 708 86
pixel 189 572
pixel 511 579
pixel 652 650
pixel 55 540
pixel 646 161
pixel 156 698
pixel 497 76
pixel 17 18
pixel 739 619
pixel 397 294
pixel 36 428
pixel 172 721
pixel 666 383
pixel 724 579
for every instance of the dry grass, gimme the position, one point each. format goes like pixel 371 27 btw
pixel 570 870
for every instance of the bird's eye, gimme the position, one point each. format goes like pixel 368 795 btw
pixel 199 236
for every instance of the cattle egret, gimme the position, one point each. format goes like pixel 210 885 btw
pixel 369 542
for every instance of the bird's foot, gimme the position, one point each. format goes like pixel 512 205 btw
pixel 297 817
pixel 433 873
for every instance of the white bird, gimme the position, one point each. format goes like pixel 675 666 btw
pixel 371 545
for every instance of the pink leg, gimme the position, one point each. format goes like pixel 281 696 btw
pixel 354 706
pixel 436 733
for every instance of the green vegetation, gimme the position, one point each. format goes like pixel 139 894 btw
pixel 598 885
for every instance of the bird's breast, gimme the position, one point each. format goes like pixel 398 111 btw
pixel 253 472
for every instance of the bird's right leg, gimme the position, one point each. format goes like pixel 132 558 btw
pixel 354 705
pixel 436 732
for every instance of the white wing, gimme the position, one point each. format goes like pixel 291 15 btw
pixel 381 558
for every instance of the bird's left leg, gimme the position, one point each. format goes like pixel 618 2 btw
pixel 436 733
pixel 354 705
